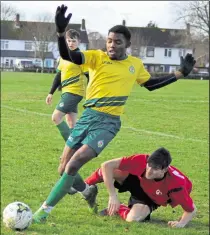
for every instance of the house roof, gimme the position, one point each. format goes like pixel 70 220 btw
pixel 23 54
pixel 27 30
pixel 158 37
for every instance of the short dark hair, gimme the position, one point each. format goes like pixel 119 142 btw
pixel 160 159
pixel 121 29
pixel 72 33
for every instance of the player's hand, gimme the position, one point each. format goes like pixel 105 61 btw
pixel 49 99
pixel 113 205
pixel 176 224
pixel 187 64
pixel 61 21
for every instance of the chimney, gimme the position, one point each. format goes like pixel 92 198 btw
pixel 83 28
pixel 188 28
pixel 17 21
pixel 123 23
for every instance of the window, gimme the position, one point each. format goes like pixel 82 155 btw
pixel 7 62
pixel 4 45
pixel 28 46
pixel 150 52
pixel 168 53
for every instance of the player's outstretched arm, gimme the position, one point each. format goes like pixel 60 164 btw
pixel 186 67
pixel 56 83
pixel 185 219
pixel 61 23
pixel 108 176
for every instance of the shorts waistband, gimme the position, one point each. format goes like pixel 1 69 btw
pixel 91 111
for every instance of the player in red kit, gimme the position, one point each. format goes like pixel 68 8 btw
pixel 151 181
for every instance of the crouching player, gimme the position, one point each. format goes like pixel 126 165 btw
pixel 152 183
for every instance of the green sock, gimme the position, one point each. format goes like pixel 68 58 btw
pixel 60 189
pixel 64 130
pixel 79 184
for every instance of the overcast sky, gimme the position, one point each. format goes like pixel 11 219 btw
pixel 102 15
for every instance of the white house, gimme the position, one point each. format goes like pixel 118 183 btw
pixel 33 42
pixel 159 49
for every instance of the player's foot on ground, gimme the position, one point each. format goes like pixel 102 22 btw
pixel 72 191
pixel 91 198
pixel 40 216
pixel 104 212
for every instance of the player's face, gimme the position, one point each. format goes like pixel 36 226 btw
pixel 116 45
pixel 154 173
pixel 72 43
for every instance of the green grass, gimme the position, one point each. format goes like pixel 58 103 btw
pixel 175 117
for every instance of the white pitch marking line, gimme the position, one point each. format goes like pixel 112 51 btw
pixel 125 127
pixel 25 111
pixel 175 101
pixel 162 134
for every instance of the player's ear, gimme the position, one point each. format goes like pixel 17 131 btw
pixel 128 44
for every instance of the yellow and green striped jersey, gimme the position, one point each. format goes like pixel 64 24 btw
pixel 111 81
pixel 72 77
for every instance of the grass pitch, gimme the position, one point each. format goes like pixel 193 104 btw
pixel 176 117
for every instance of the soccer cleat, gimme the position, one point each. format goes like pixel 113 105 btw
pixel 104 212
pixel 91 198
pixel 40 216
pixel 72 191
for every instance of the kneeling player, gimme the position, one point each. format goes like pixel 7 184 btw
pixel 151 181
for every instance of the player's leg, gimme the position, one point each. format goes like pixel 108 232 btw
pixel 94 142
pixel 140 206
pixel 57 118
pixel 66 181
pixel 71 119
pixel 97 176
pixel 138 212
pixel 67 105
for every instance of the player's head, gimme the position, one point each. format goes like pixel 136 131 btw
pixel 72 39
pixel 158 163
pixel 117 42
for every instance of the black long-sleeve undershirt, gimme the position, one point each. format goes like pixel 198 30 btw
pixel 56 83
pixel 158 82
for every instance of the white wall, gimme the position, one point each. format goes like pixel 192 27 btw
pixel 17 45
pixel 159 57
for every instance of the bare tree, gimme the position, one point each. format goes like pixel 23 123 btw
pixel 7 12
pixel 139 43
pixel 96 40
pixel 195 13
pixel 44 34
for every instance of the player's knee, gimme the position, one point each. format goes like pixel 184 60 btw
pixel 138 213
pixel 135 218
pixel 77 162
pixel 72 168
pixel 56 118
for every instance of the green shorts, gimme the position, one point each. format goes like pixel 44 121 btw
pixel 96 129
pixel 69 103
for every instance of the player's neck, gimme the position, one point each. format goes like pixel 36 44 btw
pixel 159 179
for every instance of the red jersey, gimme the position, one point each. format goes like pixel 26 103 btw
pixel 173 189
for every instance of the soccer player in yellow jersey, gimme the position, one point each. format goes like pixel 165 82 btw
pixel 71 77
pixel 112 75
